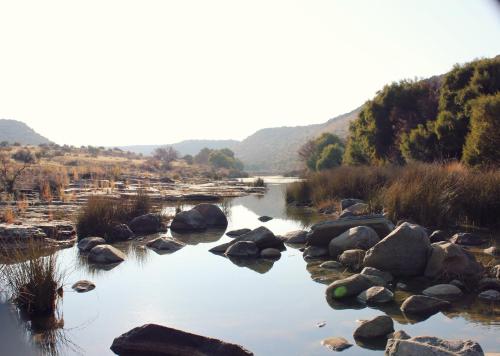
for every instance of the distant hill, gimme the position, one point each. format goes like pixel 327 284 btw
pixel 14 131
pixel 274 150
pixel 270 150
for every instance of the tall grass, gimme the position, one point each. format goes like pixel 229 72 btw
pixel 35 283
pixel 430 194
pixel 100 214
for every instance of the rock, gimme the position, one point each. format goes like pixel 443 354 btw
pixel 348 287
pixel 432 346
pixel 336 343
pixel 400 335
pixel 352 258
pixel 359 237
pixel 236 233
pixel 157 340
pixel 271 253
pixel 357 209
pixel 331 265
pixel 495 271
pixel 423 305
pixel 145 224
pixel 213 215
pixel 263 238
pixel 402 253
pixel 88 243
pixel 265 218
pixel 490 295
pixel 83 286
pixel 466 238
pixel 346 214
pixel 458 284
pixel 58 229
pixel 493 250
pixel 243 249
pixel 163 244
pixel 376 295
pixel 312 252
pixel 438 236
pixel 448 261
pixel 20 233
pixel 121 232
pixel 346 203
pixel 220 248
pixel 323 232
pixel 489 283
pixel 187 221
pixel 402 286
pixel 295 237
pixel 105 254
pixel 378 327
pixel 443 291
pixel 370 271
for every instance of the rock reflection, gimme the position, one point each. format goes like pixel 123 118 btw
pixel 259 265
pixel 195 238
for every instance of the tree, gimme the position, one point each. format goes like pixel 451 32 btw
pixel 165 155
pixel 330 157
pixel 312 150
pixel 12 170
pixel 202 156
pixel 224 158
pixel 482 143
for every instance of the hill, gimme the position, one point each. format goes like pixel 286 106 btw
pixel 14 131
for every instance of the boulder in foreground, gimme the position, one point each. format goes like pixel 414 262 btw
pixel 378 327
pixel 432 346
pixel 187 221
pixel 157 340
pixel 213 215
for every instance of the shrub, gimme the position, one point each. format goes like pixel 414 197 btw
pixel 259 182
pixel 330 157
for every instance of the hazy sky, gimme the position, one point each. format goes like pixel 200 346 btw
pixel 112 72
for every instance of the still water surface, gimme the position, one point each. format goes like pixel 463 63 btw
pixel 271 309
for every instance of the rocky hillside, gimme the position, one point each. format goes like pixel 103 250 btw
pixel 274 150
pixel 16 131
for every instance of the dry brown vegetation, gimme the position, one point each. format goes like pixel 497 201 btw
pixel 430 194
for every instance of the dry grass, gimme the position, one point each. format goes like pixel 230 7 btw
pixel 431 194
pixel 8 216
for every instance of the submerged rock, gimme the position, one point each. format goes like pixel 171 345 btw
pixel 432 346
pixel 378 327
pixel 323 232
pixel 163 244
pixel 243 249
pixel 157 340
pixel 402 253
pixel 236 233
pixel 423 305
pixel 187 221
pixel 336 343
pixel 106 254
pixel 359 237
pixel 213 215
pixel 146 224
pixel 88 243
pixel 83 286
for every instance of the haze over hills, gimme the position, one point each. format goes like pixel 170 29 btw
pixel 14 131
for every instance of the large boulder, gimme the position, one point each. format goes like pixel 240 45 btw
pixel 402 253
pixel 213 215
pixel 378 327
pixel 359 237
pixel 352 258
pixel 246 249
pixel 263 238
pixel 106 254
pixel 188 221
pixel 443 291
pixel 448 261
pixel 323 232
pixel 432 346
pixel 121 232
pixel 349 287
pixel 146 224
pixel 423 305
pixel 467 238
pixel 88 243
pixel 157 340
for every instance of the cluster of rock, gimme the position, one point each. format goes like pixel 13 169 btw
pixel 199 218
pixel 25 232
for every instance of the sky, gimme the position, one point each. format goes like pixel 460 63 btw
pixel 121 72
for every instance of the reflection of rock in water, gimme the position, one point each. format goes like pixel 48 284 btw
pixel 194 238
pixel 324 275
pixel 259 265
pixel 472 309
pixel 376 344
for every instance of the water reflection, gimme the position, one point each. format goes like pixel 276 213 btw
pixel 195 238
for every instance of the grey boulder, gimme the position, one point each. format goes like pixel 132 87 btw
pixel 376 295
pixel 213 215
pixel 359 237
pixel 88 243
pixel 145 224
pixel 106 254
pixel 423 305
pixel 188 221
pixel 245 249
pixel 378 327
pixel 432 346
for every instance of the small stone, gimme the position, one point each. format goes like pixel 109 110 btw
pixel 377 327
pixel 321 324
pixel 443 291
pixel 336 343
pixel 265 218
pixel 490 295
pixel 83 286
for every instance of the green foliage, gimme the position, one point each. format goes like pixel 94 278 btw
pixel 219 159
pixel 482 145
pixel 326 148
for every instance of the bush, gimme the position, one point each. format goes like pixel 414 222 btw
pixel 430 194
pixel 330 157
pixel 314 150
pixel 259 182
pixel 100 214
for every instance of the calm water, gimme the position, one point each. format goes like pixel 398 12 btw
pixel 271 309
